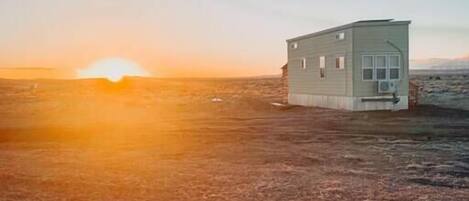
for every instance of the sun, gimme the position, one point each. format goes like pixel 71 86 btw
pixel 113 69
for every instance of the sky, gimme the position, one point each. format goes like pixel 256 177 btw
pixel 206 38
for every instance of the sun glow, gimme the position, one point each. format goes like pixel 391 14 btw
pixel 113 69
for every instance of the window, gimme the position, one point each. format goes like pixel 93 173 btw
pixel 394 73
pixel 394 67
pixel 340 62
pixel 367 67
pixel 294 45
pixel 303 63
pixel 381 73
pixel 381 61
pixel 381 67
pixel 322 66
pixel 367 62
pixel 394 61
pixel 340 36
pixel 368 74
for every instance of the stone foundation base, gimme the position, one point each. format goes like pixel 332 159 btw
pixel 348 103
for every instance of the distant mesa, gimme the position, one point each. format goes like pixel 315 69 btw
pixel 34 73
pixel 441 64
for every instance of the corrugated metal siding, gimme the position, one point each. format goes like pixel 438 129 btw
pixel 372 40
pixel 337 82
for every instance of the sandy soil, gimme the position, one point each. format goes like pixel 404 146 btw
pixel 151 139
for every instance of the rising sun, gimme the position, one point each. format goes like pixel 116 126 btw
pixel 113 69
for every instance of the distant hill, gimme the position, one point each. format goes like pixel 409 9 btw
pixel 439 71
pixel 266 76
pixel 440 64
pixel 35 73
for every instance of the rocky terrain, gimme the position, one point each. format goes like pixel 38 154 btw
pixel 222 139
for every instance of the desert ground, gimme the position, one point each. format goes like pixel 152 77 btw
pixel 449 89
pixel 221 139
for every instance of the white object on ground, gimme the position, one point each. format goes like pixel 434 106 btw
pixel 216 100
pixel 278 104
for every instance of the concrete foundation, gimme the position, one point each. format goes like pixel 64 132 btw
pixel 348 103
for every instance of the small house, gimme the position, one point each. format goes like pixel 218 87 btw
pixel 360 66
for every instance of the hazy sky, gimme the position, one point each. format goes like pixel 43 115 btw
pixel 206 37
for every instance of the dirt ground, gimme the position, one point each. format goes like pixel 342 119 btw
pixel 219 139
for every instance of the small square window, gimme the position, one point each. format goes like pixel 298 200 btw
pixel 367 74
pixel 294 45
pixel 340 36
pixel 394 73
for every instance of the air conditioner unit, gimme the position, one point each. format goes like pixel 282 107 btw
pixel 387 86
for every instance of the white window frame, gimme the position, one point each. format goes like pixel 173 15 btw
pixel 294 45
pixel 340 36
pixel 341 59
pixel 367 67
pixel 385 67
pixel 303 63
pixel 322 67
pixel 398 67
pixel 388 66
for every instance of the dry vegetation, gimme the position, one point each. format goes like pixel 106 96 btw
pixel 156 139
pixel 447 90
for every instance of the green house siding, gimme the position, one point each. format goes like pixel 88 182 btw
pixel 372 40
pixel 337 82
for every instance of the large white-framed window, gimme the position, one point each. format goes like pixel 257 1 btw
pixel 381 65
pixel 303 63
pixel 322 67
pixel 394 67
pixel 340 62
pixel 368 67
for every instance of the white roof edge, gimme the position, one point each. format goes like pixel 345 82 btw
pixel 347 26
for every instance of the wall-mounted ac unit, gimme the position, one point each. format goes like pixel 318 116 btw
pixel 387 86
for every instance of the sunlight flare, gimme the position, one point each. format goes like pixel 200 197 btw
pixel 113 69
